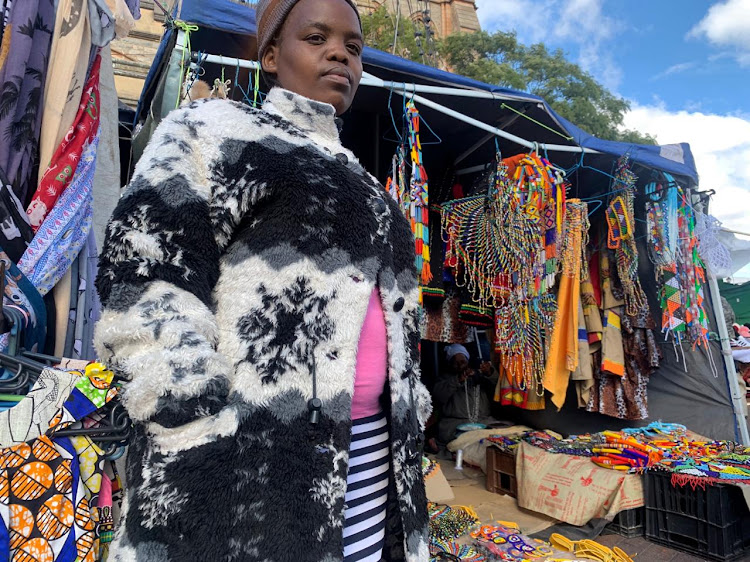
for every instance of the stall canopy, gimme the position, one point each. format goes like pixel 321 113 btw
pixel 228 16
pixel 459 139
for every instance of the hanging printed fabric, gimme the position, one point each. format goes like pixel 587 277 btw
pixel 621 234
pixel 679 269
pixel 24 56
pixel 65 230
pixel 49 497
pixel 62 167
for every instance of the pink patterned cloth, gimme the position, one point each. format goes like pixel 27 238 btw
pixel 372 361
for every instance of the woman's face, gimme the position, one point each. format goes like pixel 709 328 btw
pixel 318 52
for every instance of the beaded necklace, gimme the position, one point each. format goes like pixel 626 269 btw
pixel 473 413
pixel 419 210
pixel 621 235
pixel 506 248
pixel 679 269
pixel 449 523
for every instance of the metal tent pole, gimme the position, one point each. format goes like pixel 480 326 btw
pixel 739 402
pixel 411 91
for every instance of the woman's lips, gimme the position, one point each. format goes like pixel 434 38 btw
pixel 339 76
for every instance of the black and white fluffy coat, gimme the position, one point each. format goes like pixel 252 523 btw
pixel 235 278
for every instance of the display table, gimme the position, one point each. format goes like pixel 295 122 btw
pixel 572 489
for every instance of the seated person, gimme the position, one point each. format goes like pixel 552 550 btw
pixel 463 393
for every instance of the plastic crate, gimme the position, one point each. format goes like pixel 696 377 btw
pixel 712 523
pixel 629 523
pixel 501 472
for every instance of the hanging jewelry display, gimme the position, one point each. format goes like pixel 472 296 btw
pixel 411 192
pixel 680 272
pixel 621 234
pixel 505 250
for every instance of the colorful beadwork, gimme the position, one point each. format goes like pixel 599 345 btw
pixel 505 249
pixel 621 236
pixel 413 201
pixel 679 270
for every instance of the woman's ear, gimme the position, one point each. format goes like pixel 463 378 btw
pixel 269 62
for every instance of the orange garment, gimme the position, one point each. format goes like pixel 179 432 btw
pixel 563 354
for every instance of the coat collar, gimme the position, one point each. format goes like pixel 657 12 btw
pixel 310 116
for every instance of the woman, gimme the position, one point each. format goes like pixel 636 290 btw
pixel 260 294
pixel 463 394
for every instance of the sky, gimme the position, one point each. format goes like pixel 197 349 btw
pixel 684 66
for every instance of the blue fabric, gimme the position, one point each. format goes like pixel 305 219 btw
pixel 235 17
pixel 64 232
pixel 225 15
pixel 21 294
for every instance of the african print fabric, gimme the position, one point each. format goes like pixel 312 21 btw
pixel 69 58
pixel 65 230
pixel 49 486
pixel 29 418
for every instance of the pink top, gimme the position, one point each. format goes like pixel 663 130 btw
pixel 372 361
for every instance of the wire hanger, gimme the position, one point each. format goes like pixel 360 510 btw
pixel 395 128
pixel 580 165
pixel 423 122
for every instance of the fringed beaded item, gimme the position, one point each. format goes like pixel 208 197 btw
pixel 679 269
pixel 621 237
pixel 411 192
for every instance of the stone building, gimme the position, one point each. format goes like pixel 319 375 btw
pixel 448 16
pixel 132 57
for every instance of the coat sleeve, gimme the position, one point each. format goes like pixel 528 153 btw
pixel 158 269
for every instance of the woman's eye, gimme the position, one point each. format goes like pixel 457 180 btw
pixel 354 48
pixel 316 38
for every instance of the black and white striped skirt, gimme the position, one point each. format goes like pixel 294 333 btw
pixel 367 490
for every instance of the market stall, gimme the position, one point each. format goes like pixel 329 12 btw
pixel 459 120
pixel 582 264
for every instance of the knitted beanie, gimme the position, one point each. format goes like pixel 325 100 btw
pixel 270 16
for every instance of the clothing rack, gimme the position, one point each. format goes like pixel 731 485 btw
pixel 112 433
pixel 412 91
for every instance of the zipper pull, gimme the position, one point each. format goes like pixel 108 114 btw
pixel 315 405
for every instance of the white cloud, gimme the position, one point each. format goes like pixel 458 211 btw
pixel 580 25
pixel 674 69
pixel 721 147
pixel 727 25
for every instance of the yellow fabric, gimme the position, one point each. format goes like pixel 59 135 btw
pixel 563 355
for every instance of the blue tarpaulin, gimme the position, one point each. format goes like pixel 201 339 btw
pixel 237 17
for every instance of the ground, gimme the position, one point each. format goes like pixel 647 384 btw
pixel 468 487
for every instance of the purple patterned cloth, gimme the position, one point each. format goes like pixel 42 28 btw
pixel 22 74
